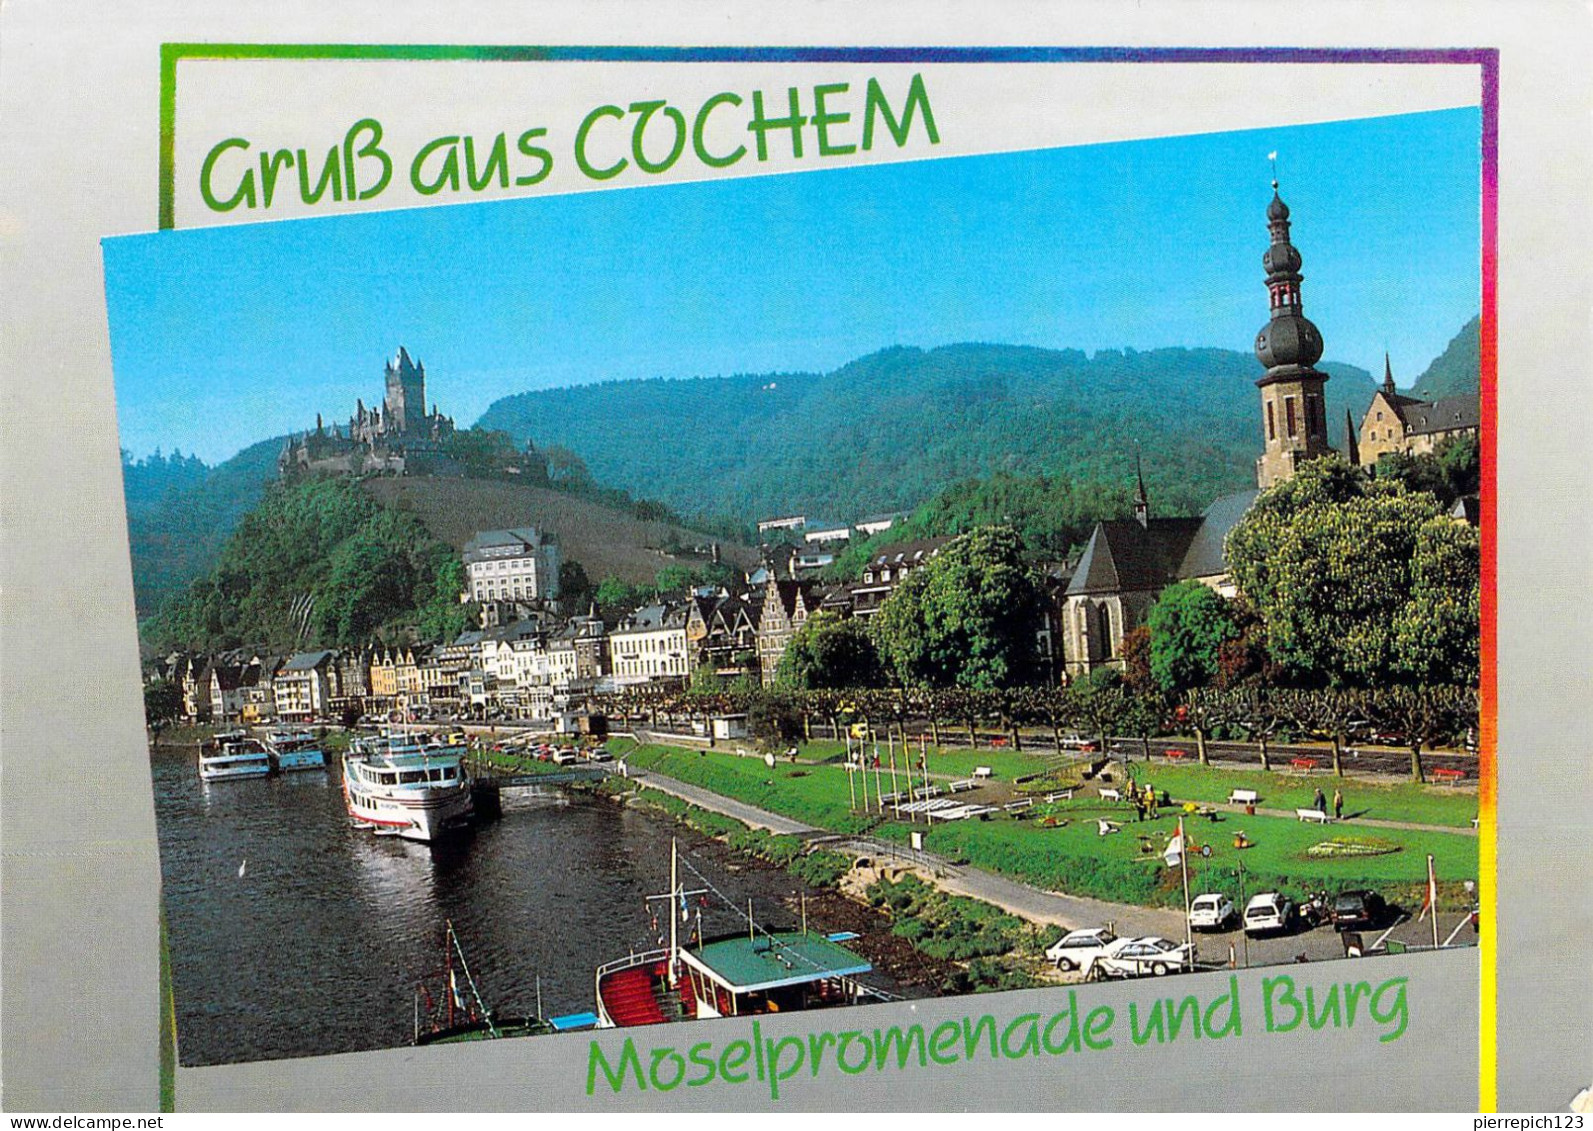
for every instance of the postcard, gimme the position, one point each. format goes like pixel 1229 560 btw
pixel 790 578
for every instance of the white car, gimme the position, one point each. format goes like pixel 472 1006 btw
pixel 1212 912
pixel 1134 958
pixel 1267 912
pixel 1077 949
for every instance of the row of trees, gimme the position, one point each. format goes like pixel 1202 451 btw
pixel 1100 709
pixel 1347 582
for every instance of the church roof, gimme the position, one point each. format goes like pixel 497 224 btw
pixel 1205 557
pixel 1123 556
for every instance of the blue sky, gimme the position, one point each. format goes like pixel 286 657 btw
pixel 226 336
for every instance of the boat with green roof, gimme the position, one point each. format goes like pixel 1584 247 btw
pixel 748 972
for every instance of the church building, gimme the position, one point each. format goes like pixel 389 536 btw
pixel 1128 562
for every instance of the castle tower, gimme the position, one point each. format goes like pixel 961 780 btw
pixel 405 404
pixel 1294 416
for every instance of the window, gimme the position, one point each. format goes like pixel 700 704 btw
pixel 1288 411
pixel 1272 432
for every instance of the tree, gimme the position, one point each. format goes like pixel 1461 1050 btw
pixel 965 619
pixel 1423 716
pixel 1359 582
pixel 773 718
pixel 163 703
pixel 1188 625
pixel 830 651
pixel 1137 672
pixel 575 587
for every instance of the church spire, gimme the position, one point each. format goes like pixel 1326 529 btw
pixel 1141 500
pixel 1388 376
pixel 1294 418
pixel 1352 448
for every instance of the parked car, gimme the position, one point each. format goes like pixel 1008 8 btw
pixel 1077 949
pixel 563 756
pixel 1134 958
pixel 600 755
pixel 1212 912
pixel 1353 910
pixel 1268 912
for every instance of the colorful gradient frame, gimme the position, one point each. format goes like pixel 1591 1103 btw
pixel 1486 59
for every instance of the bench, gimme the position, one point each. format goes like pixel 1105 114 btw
pixel 892 798
pixel 1059 795
pixel 1452 776
pixel 981 771
pixel 1176 754
pixel 1243 797
pixel 1019 806
pixel 1316 815
pixel 927 791
pixel 998 742
pixel 961 784
pixel 1111 795
pixel 1306 764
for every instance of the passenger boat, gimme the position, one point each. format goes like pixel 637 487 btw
pixel 233 755
pixel 292 750
pixel 414 791
pixel 749 972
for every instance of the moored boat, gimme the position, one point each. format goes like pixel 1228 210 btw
pixel 749 972
pixel 412 791
pixel 295 750
pixel 233 754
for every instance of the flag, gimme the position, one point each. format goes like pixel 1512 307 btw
pixel 1174 855
pixel 1430 903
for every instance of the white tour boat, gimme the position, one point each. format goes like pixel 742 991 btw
pixel 295 750
pixel 412 791
pixel 233 755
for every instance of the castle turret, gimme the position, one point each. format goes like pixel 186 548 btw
pixel 1294 418
pixel 405 404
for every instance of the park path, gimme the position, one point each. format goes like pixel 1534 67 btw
pixel 1012 896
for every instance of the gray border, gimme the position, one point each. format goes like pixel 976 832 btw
pixel 78 97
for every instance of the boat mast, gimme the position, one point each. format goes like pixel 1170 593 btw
pixel 674 920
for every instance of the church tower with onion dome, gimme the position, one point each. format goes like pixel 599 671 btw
pixel 1294 414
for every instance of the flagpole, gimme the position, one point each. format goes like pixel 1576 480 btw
pixel 1183 859
pixel 1432 896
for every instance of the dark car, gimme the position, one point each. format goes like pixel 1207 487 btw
pixel 1356 909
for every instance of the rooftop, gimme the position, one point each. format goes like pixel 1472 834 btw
pixel 785 958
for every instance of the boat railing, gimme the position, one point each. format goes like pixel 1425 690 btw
pixel 635 958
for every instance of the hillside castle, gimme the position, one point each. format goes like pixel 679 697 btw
pixel 398 438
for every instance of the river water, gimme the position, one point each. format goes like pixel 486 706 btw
pixel 294 934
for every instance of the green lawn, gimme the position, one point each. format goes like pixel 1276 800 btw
pixel 1073 857
pixel 1404 801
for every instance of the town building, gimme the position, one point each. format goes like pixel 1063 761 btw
pixel 305 686
pixel 785 609
pixel 520 565
pixel 650 646
pixel 888 569
pixel 1411 426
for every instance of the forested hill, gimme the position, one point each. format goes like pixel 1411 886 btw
pixel 888 431
pixel 1458 369
pixel 181 512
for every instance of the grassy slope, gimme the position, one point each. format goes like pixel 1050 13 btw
pixel 603 540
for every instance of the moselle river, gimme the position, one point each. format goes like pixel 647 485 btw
pixel 294 934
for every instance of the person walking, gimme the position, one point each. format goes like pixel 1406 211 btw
pixel 1338 805
pixel 1319 801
